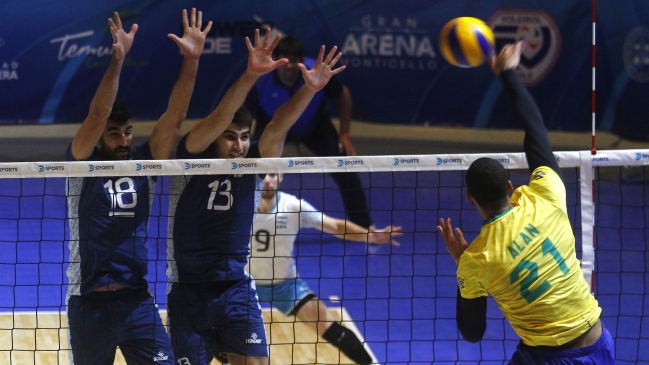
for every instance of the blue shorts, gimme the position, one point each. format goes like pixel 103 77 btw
pixel 128 318
pixel 223 317
pixel 602 352
pixel 286 296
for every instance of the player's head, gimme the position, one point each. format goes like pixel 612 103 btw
pixel 291 48
pixel 488 184
pixel 271 185
pixel 235 140
pixel 115 141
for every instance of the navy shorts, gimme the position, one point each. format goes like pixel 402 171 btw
pixel 128 318
pixel 602 352
pixel 224 317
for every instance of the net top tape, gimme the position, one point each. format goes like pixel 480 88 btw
pixel 302 164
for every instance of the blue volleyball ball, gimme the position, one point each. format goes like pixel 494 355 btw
pixel 466 42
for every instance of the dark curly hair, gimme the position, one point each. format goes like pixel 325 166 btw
pixel 120 113
pixel 242 118
pixel 289 46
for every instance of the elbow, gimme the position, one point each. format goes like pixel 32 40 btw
pixel 472 337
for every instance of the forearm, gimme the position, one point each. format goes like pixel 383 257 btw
pixel 166 129
pixel 471 317
pixel 102 102
pixel 537 144
pixel 345 111
pixel 208 129
pixel 101 106
pixel 182 92
pixel 272 140
pixel 346 230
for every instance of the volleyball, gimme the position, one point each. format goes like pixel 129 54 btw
pixel 466 42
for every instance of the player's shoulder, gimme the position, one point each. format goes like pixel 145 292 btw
pixel 288 202
pixel 544 173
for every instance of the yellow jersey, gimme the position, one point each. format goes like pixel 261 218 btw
pixel 525 258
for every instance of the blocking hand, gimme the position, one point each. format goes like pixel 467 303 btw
pixel 193 39
pixel 122 41
pixel 318 76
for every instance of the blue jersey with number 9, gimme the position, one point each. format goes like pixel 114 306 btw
pixel 525 258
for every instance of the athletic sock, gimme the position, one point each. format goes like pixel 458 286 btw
pixel 348 343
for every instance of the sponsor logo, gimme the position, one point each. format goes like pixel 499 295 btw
pixel 9 71
pixel 636 54
pixel 389 42
pixel 42 168
pixel 69 48
pixel 600 159
pixel 460 282
pixel 72 46
pixel 538 175
pixel 441 161
pixel 398 161
pixel 243 165
pixel 503 160
pixel 219 39
pixel 292 163
pixel 542 40
pixel 9 169
pixel 100 167
pixel 349 163
pixel 196 165
pixel 139 167
pixel 253 339
pixel 161 357
pixel 641 156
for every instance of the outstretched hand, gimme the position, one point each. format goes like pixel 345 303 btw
pixel 455 246
pixel 122 41
pixel 508 58
pixel 384 235
pixel 193 39
pixel 260 57
pixel 318 76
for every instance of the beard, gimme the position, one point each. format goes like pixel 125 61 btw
pixel 268 194
pixel 119 153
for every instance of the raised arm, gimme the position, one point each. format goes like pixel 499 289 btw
pixel 536 144
pixel 102 103
pixel 345 114
pixel 350 231
pixel 260 61
pixel 164 134
pixel 271 142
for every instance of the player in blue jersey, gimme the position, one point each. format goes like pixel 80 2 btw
pixel 212 303
pixel 108 301
pixel 525 255
pixel 314 128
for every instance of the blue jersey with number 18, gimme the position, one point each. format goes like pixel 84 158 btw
pixel 210 222
pixel 108 225
pixel 525 258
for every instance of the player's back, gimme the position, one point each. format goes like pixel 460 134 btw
pixel 525 258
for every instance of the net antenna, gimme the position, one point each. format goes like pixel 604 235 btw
pixel 593 149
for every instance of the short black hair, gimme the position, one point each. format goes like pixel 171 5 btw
pixel 242 118
pixel 486 181
pixel 120 113
pixel 289 46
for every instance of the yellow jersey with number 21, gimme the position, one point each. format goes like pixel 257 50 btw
pixel 525 258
